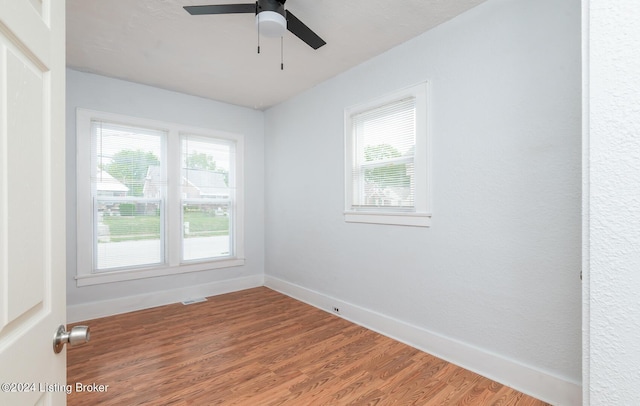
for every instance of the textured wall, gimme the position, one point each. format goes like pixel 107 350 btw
pixel 499 268
pixel 612 301
pixel 116 96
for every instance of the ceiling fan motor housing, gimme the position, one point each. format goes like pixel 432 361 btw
pixel 270 17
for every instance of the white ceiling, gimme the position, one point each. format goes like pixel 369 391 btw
pixel 156 42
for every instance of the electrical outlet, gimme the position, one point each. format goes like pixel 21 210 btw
pixel 196 300
pixel 336 310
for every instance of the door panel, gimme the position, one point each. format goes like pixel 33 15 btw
pixel 32 201
pixel 25 271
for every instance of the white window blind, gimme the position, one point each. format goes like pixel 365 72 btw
pixel 383 166
pixel 207 193
pixel 128 190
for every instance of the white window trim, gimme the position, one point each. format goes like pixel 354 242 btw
pixel 421 215
pixel 84 210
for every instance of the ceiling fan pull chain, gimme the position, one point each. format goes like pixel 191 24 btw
pixel 281 53
pixel 258 38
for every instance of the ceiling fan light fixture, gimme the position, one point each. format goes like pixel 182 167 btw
pixel 271 23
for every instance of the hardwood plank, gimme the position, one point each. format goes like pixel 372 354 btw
pixel 259 347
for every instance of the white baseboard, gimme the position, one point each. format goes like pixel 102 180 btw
pixel 526 379
pixel 93 310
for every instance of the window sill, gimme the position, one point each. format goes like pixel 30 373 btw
pixel 131 274
pixel 398 219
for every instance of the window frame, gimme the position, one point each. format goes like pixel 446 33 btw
pixel 420 215
pixel 173 264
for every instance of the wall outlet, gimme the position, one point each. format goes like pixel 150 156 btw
pixel 195 300
pixel 336 310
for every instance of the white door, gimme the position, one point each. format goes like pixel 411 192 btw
pixel 32 201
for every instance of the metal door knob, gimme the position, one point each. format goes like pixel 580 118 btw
pixel 77 335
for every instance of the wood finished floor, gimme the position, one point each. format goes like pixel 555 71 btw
pixel 258 347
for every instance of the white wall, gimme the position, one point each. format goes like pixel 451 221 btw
pixel 612 204
pixel 497 274
pixel 116 96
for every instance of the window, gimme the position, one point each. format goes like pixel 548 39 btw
pixel 155 198
pixel 386 163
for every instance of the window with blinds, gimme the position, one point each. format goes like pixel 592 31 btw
pixel 155 198
pixel 386 165
pixel 128 189
pixel 383 168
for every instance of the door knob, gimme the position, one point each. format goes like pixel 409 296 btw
pixel 77 335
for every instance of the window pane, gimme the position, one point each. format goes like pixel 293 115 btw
pixel 383 171
pixel 206 231
pixel 129 234
pixel 206 197
pixel 388 185
pixel 128 188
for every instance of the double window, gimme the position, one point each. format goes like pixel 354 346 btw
pixel 155 198
pixel 386 163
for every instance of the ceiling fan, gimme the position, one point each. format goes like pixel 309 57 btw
pixel 271 18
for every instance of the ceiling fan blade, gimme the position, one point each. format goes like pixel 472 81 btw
pixel 221 9
pixel 300 30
